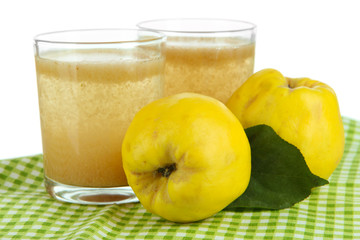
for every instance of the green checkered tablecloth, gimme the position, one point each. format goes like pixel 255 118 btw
pixel 28 212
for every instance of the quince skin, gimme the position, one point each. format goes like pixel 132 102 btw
pixel 302 111
pixel 186 157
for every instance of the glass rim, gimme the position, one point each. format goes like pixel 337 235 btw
pixel 45 37
pixel 250 26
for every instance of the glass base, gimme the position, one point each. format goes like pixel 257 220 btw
pixel 90 195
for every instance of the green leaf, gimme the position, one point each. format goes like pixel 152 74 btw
pixel 280 176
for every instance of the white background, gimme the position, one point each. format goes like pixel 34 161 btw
pixel 316 39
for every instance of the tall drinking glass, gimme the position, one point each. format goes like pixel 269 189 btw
pixel 90 85
pixel 208 56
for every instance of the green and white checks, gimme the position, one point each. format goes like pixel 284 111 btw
pixel 28 212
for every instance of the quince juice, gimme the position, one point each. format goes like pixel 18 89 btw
pixel 87 99
pixel 215 67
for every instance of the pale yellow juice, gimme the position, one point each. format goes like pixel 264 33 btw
pixel 215 67
pixel 87 100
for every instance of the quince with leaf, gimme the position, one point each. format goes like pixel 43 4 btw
pixel 302 111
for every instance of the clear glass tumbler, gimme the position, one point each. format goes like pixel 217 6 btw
pixel 90 85
pixel 208 56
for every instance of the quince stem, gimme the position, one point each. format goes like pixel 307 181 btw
pixel 167 170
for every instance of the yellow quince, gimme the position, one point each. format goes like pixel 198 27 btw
pixel 186 157
pixel 302 111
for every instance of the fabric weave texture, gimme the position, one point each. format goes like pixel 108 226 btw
pixel 330 212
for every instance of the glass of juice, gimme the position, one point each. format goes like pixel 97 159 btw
pixel 207 56
pixel 90 84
